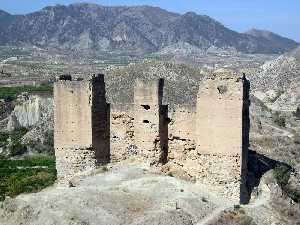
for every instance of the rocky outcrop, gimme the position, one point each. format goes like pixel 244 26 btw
pixel 33 115
pixel 32 110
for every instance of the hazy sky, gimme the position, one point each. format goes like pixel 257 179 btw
pixel 280 16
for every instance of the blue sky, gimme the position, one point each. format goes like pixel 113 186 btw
pixel 280 16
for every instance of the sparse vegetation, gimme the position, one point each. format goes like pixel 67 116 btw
pixel 295 195
pixel 288 213
pixel 279 119
pixel 17 148
pixel 42 147
pixel 236 217
pixel 27 175
pixel 282 175
pixel 12 141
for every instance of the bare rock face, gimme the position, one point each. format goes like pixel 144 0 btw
pixel 33 110
pixel 35 113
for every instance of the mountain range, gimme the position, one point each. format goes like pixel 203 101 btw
pixel 138 29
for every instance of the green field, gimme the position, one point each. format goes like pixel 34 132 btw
pixel 11 93
pixel 31 174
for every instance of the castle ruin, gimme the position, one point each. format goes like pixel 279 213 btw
pixel 209 143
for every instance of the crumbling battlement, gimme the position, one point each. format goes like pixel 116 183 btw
pixel 207 142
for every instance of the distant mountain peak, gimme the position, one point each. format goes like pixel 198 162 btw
pixel 190 14
pixel 136 29
pixel 275 39
pixel 3 13
pixel 261 33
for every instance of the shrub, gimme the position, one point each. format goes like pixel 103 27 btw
pixel 3 139
pixel 295 195
pixel 17 148
pixel 282 175
pixel 279 119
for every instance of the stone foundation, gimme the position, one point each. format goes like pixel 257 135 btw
pixel 73 161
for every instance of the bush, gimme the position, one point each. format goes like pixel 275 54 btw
pixel 17 148
pixel 279 119
pixel 295 195
pixel 15 145
pixel 282 175
pixel 3 139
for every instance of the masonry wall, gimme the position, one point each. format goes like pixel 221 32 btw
pixel 219 117
pixel 81 124
pixel 206 143
pixel 150 127
pixel 122 133
pixel 72 114
pixel 219 133
pixel 181 127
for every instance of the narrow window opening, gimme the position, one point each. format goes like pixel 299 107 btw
pixel 146 121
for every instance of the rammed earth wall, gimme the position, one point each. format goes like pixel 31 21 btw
pixel 208 142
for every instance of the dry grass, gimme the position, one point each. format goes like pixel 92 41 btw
pixel 288 212
pixel 234 217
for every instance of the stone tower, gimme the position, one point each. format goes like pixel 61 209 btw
pixel 222 132
pixel 150 125
pixel 81 125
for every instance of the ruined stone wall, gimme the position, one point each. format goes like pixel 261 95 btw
pixel 122 133
pixel 150 129
pixel 182 128
pixel 219 117
pixel 220 133
pixel 206 143
pixel 80 126
pixel 72 110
